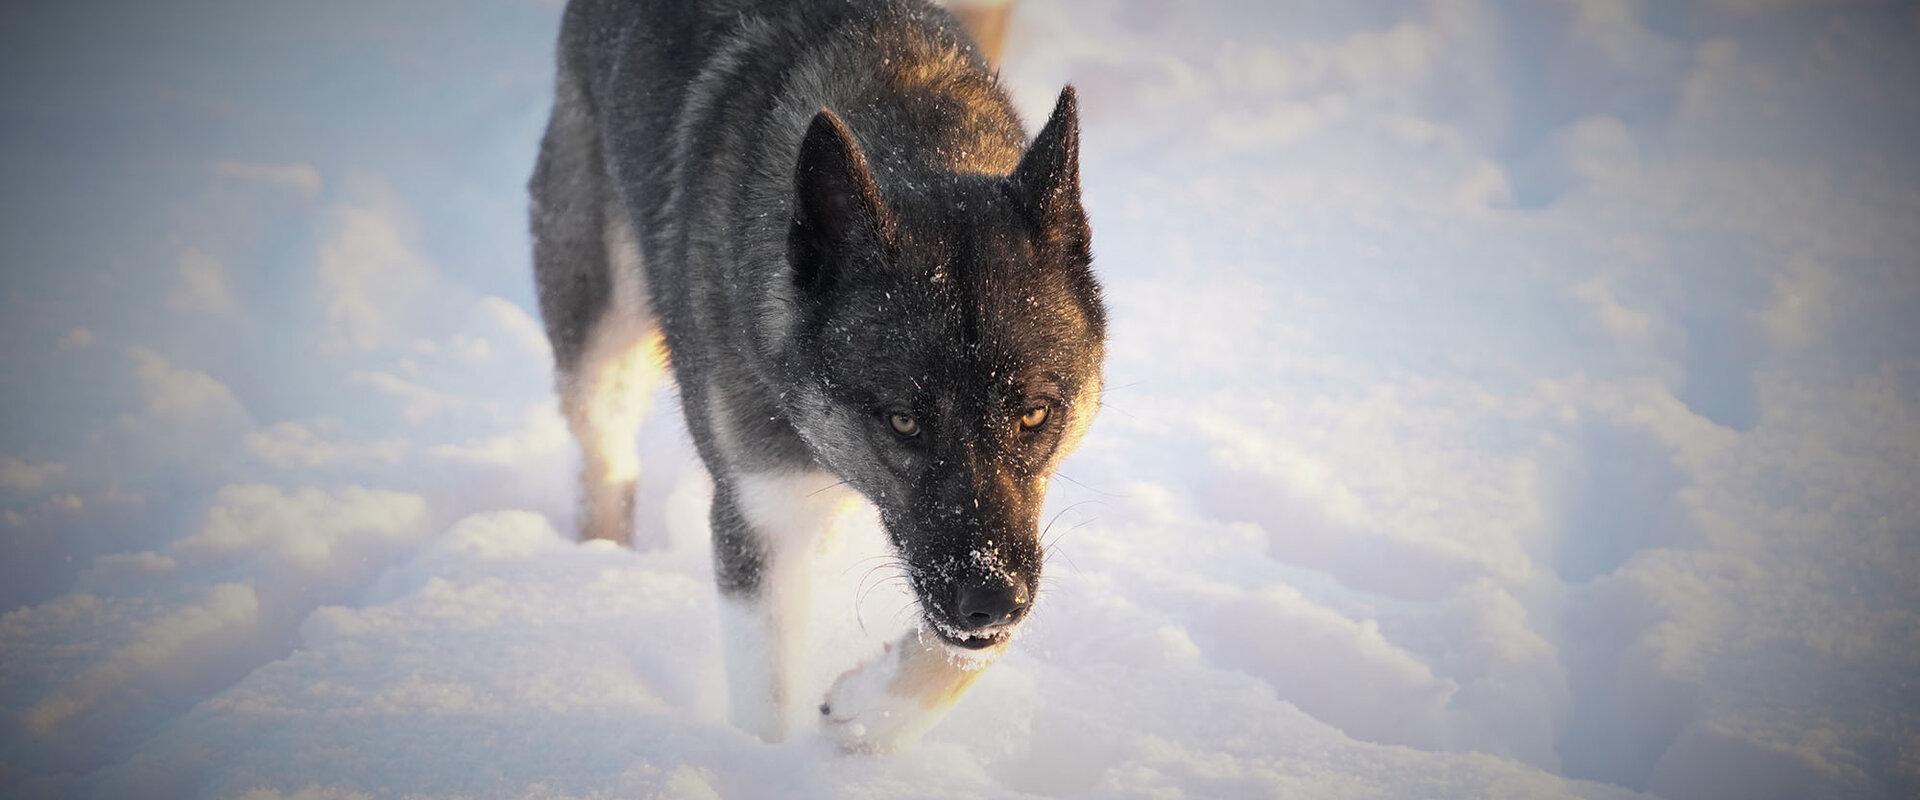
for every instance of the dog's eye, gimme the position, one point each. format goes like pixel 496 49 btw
pixel 903 424
pixel 1034 418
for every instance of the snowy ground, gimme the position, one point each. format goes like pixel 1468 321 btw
pixel 1506 401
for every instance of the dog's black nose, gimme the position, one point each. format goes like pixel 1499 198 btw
pixel 984 604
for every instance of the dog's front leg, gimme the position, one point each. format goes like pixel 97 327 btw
pixel 767 528
pixel 892 700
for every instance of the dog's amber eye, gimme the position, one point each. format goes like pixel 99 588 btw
pixel 1034 418
pixel 903 424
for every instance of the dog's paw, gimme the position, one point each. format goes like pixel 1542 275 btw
pixel 889 702
pixel 861 715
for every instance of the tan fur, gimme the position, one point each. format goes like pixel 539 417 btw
pixel 607 395
pixel 890 701
pixel 928 675
pixel 987 20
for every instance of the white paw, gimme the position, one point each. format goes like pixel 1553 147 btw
pixel 861 715
pixel 889 702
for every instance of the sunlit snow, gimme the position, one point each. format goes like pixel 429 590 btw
pixel 1504 400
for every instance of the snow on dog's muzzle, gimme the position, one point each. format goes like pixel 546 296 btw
pixel 977 609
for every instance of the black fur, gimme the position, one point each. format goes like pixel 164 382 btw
pixel 838 222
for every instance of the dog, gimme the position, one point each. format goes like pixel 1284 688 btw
pixel 867 284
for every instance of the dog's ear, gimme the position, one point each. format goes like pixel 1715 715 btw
pixel 837 205
pixel 1049 179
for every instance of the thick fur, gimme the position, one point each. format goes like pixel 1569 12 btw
pixel 829 211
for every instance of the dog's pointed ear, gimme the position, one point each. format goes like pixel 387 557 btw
pixel 1049 178
pixel 837 203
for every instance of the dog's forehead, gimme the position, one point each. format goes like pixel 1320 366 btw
pixel 966 302
pixel 1020 299
pixel 1008 332
pixel 941 329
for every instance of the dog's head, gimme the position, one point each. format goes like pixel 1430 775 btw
pixel 950 336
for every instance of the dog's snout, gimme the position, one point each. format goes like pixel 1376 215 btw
pixel 985 604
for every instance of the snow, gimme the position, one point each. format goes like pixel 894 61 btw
pixel 508 660
pixel 1504 401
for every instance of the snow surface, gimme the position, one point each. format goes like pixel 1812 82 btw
pixel 1505 401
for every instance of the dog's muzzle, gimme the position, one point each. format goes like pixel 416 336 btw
pixel 982 612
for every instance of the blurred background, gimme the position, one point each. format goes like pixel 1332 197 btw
pixel 1505 399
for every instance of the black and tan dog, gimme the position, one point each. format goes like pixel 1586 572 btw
pixel 869 285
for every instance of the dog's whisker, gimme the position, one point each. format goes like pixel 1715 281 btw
pixel 876 568
pixel 1062 512
pixel 1070 479
pixel 860 598
pixel 863 591
pixel 899 570
pixel 1061 535
pixel 890 561
pixel 1087 501
pixel 1069 559
pixel 834 485
pixel 893 563
pixel 860 605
